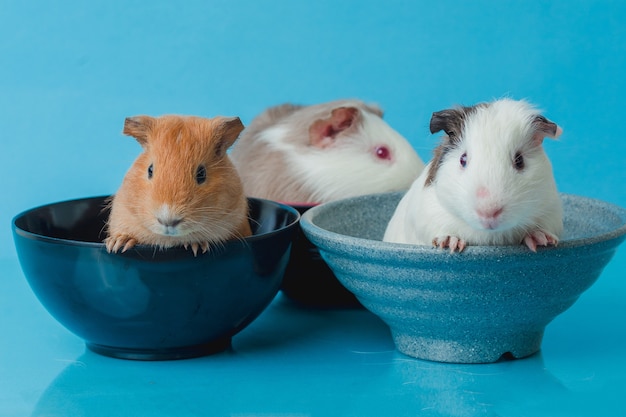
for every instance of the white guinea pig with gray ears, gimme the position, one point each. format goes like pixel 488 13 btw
pixel 323 152
pixel 489 183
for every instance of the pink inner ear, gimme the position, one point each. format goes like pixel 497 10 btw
pixel 541 134
pixel 558 132
pixel 322 132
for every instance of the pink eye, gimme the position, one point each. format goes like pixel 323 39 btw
pixel 463 160
pixel 382 152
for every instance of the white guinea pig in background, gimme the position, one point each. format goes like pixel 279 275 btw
pixel 323 152
pixel 489 183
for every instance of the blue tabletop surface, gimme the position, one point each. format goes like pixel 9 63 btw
pixel 71 71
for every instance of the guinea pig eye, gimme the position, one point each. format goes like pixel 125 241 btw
pixel 382 152
pixel 201 174
pixel 463 160
pixel 150 171
pixel 519 161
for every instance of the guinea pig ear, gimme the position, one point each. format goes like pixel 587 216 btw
pixel 450 121
pixel 439 120
pixel 228 130
pixel 323 132
pixel 375 108
pixel 139 127
pixel 544 128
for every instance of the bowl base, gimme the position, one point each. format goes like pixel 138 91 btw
pixel 487 350
pixel 185 352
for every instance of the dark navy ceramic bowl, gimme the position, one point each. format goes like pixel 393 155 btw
pixel 471 307
pixel 308 279
pixel 146 303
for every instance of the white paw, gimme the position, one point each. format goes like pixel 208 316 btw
pixel 451 242
pixel 539 238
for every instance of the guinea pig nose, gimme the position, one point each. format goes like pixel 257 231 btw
pixel 482 192
pixel 490 213
pixel 169 222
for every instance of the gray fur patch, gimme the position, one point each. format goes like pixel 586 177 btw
pixel 452 122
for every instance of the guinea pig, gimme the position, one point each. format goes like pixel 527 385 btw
pixel 318 153
pixel 489 182
pixel 182 190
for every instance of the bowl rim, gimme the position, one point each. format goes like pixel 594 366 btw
pixel 141 247
pixel 298 204
pixel 342 243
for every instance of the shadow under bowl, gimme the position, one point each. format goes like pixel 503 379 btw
pixel 147 303
pixel 308 280
pixel 471 307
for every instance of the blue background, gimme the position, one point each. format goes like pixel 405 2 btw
pixel 71 71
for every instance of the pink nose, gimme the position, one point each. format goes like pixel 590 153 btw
pixel 490 213
pixel 482 192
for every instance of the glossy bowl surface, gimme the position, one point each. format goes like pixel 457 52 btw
pixel 146 303
pixel 471 307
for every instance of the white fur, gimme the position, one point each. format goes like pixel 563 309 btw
pixel 275 136
pixel 351 167
pixel 450 206
pixel 278 160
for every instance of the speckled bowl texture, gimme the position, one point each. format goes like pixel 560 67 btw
pixel 471 307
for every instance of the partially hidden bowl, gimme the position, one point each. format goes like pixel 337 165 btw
pixel 147 303
pixel 308 279
pixel 471 307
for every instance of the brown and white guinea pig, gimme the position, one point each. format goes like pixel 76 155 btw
pixel 323 152
pixel 489 183
pixel 182 190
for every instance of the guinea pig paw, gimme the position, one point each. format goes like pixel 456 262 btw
pixel 123 242
pixel 196 246
pixel 539 238
pixel 451 242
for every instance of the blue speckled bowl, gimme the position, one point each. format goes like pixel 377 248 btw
pixel 474 307
pixel 150 304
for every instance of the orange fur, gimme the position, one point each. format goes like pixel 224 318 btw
pixel 204 214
